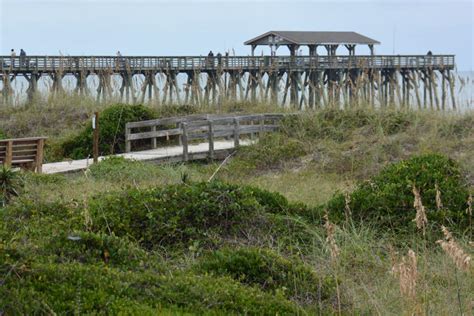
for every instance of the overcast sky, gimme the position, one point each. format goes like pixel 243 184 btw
pixel 145 27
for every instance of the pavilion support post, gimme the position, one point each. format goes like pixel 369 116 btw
pixel 372 50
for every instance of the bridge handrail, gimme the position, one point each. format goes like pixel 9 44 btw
pixel 116 64
pixel 207 126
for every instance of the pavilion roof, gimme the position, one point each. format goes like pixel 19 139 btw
pixel 311 38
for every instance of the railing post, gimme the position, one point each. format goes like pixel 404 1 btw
pixel 236 132
pixel 9 154
pixel 185 141
pixel 128 145
pixel 262 124
pixel 153 140
pixel 39 155
pixel 211 140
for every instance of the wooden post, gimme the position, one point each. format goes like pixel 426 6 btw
pixel 236 132
pixel 95 127
pixel 185 141
pixel 153 140
pixel 9 154
pixel 211 140
pixel 128 144
pixel 39 155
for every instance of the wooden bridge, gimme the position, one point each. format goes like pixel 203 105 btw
pixel 299 81
pixel 187 138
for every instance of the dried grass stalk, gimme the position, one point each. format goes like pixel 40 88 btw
pixel 439 203
pixel 454 251
pixel 407 273
pixel 420 218
pixel 469 205
pixel 330 230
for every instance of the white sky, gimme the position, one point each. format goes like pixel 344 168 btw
pixel 145 27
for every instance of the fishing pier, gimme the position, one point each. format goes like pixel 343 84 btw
pixel 295 80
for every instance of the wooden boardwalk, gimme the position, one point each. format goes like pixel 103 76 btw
pixel 195 137
pixel 159 155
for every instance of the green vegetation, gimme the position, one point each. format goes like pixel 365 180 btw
pixel 112 131
pixel 127 237
pixel 10 184
pixel 387 198
pixel 269 271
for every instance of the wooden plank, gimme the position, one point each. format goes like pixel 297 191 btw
pixel 26 139
pixel 154 134
pixel 211 140
pixel 153 140
pixel 167 121
pixel 128 143
pixel 39 156
pixel 184 138
pixel 236 132
pixel 9 154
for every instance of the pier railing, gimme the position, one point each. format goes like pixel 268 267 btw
pixel 74 64
pixel 201 127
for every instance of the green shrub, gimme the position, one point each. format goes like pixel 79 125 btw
pixel 387 198
pixel 183 213
pixel 174 214
pixel 90 289
pixel 116 168
pixel 11 182
pixel 2 135
pixel 87 247
pixel 270 151
pixel 269 271
pixel 43 178
pixel 112 131
pixel 176 110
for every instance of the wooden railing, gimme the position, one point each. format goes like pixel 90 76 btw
pixel 201 127
pixel 74 64
pixel 23 152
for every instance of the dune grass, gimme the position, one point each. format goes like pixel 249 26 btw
pixel 314 156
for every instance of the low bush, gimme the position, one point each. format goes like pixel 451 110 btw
pixel 88 247
pixel 89 289
pixel 11 182
pixel 174 214
pixel 180 214
pixel 387 199
pixel 269 271
pixel 112 131
pixel 116 168
pixel 271 151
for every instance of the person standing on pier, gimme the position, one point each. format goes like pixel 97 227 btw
pixel 219 59
pixel 12 59
pixel 210 58
pixel 22 58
